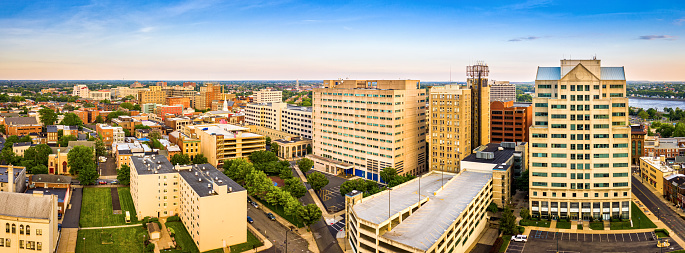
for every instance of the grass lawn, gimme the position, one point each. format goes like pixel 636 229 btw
pixel 252 242
pixel 279 210
pixel 564 224
pixel 505 244
pixel 660 234
pixel 580 226
pixel 184 243
pixel 129 240
pixel 597 225
pixel 639 218
pixel 96 207
pixel 534 223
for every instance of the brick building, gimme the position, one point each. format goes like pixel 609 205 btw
pixel 22 126
pixel 510 121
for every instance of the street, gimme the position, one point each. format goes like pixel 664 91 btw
pixel 664 212
pixel 275 232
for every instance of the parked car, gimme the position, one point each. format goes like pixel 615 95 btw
pixel 249 219
pixel 254 203
pixel 103 159
pixel 519 238
pixel 102 182
pixel 114 181
pixel 271 216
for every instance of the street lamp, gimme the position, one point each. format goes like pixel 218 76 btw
pixel 556 235
pixel 389 190
pixel 84 244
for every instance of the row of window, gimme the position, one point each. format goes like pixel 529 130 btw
pixel 585 186
pixel 32 245
pixel 563 155
pixel 564 165
pixel 13 229
pixel 578 175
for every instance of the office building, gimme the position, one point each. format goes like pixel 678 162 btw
pixel 211 206
pixel 509 121
pixel 371 125
pixel 477 82
pixel 637 143
pixel 208 94
pixel 268 96
pixel 221 142
pixel 653 170
pixel 282 117
pixel 449 136
pixel 182 101
pixel 29 221
pixel 502 91
pixel 447 215
pixel 580 142
pixel 154 95
pixel 81 91
pixel 123 91
pixel 505 161
pixel 289 145
pixel 101 95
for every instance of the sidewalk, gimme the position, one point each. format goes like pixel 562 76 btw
pixel 306 235
pixel 267 243
pixel 121 226
pixel 656 220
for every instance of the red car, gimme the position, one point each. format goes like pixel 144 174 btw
pixel 102 182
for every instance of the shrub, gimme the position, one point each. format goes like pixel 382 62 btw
pixel 150 248
pixel 173 218
pixel 521 229
pixel 662 230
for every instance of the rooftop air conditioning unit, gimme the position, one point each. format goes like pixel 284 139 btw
pixel 209 185
pixel 221 181
pixel 230 189
pixel 199 179
pixel 196 173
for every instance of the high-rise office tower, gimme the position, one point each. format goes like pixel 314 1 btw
pixel 449 135
pixel 502 91
pixel 580 142
pixel 477 81
pixel 370 125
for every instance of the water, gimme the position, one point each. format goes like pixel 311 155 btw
pixel 646 103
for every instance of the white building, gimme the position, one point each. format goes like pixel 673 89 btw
pixel 280 116
pixel 502 91
pixel 81 91
pixel 101 95
pixel 268 96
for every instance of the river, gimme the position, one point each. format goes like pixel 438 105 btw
pixel 646 103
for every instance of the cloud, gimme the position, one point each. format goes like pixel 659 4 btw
pixel 656 37
pixel 679 21
pixel 147 29
pixel 529 4
pixel 524 38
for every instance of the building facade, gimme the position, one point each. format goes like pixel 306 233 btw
pixel 653 170
pixel 477 82
pixel 268 96
pixel 101 95
pixel 154 95
pixel 29 223
pixel 637 142
pixel 81 91
pixel 502 91
pixel 221 142
pixel 282 117
pixel 12 178
pixel 580 142
pixel 371 124
pixel 510 121
pixel 22 126
pixel 449 135
pixel 110 134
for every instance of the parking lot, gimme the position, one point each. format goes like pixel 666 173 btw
pixel 330 194
pixel 543 241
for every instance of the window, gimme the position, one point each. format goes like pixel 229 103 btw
pixel 563 136
pixel 39 231
pixel 14 228
pixel 7 228
pixel 625 184
pixel 539 183
pixel 620 135
pixel 615 95
pixel 558 165
pixel 601 155
pixel 21 229
pixel 558 106
pixel 558 116
pixel 545 95
pixel 620 145
pixel 618 105
pixel 540 123
pixel 620 155
pixel 558 184
pixel 601 165
pixel 559 155
pixel 601 106
pixel 601 174
pixel 539 164
pixel 28 230
pixel 557 145
pixel 540 114
pixel 545 86
pixel 601 136
pixel 540 104
pixel 620 165
pixel 539 174
pixel 621 174
pixel 39 246
pixel 558 174
pixel 539 145
pixel 539 135
pixel 600 185
pixel 601 116
pixel 558 125
pixel 539 154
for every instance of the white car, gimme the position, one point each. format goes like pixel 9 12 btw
pixel 519 238
pixel 103 159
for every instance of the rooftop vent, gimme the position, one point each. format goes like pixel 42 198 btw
pixel 209 185
pixel 508 144
pixel 196 173
pixel 485 155
pixel 230 189
pixel 220 181
pixel 199 179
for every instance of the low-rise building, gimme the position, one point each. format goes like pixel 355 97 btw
pixel 268 96
pixel 221 142
pixel 510 121
pixel 189 145
pixel 101 95
pixel 81 91
pixel 20 147
pixel 110 134
pixel 637 142
pixel 653 170
pixel 22 126
pixel 674 189
pixel 58 161
pixel 30 222
pixel 177 123
pixel 289 145
pixel 12 178
pixel 160 189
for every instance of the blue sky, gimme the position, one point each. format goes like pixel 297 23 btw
pixel 238 40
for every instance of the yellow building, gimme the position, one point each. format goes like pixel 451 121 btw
pixel 447 216
pixel 580 142
pixel 653 170
pixel 188 145
pixel 449 135
pixel 58 162
pixel 290 146
pixel 29 222
pixel 154 95
pixel 211 206
pixel 221 142
pixel 477 82
pixel 371 124
pixel 268 96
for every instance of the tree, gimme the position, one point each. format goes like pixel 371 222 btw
pixel 141 126
pixel 262 156
pixel 310 214
pixel 285 173
pixel 388 174
pixel 39 169
pixel 199 159
pixel 508 222
pixel 180 159
pixel 309 149
pixel 127 132
pixel 99 119
pixel 295 187
pixel 71 119
pixel 68 107
pixel 126 105
pixel 268 140
pixel 64 140
pixel 82 163
pixel 100 149
pixel 238 170
pixel 47 116
pixel 115 114
pixel 317 180
pixel 521 182
pixel 2 129
pixel 305 164
pixel 124 174
pixel 642 114
pixel 525 214
pixel 39 154
pixel 274 147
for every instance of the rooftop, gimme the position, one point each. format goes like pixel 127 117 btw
pixel 657 164
pixel 554 73
pixel 60 192
pixel 47 178
pixel 26 205
pixel 4 175
pixel 422 229
pixel 202 178
pixel 21 144
pixel 153 164
pixel 21 121
pixel 500 156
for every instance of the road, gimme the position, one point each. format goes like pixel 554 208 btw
pixel 275 232
pixel 73 215
pixel 656 206
pixel 321 231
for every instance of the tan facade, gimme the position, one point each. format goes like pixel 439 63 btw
pixel 289 145
pixel 58 163
pixel 110 134
pixel 101 95
pixel 653 170
pixel 281 116
pixel 449 136
pixel 154 95
pixel 29 224
pixel 580 142
pixel 502 91
pixel 372 124
pixel 480 104
pixel 268 96
pixel 220 142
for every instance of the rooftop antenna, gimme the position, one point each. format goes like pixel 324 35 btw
pixel 450 74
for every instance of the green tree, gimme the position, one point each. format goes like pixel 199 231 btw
pixel 82 162
pixel 285 173
pixel 115 114
pixel 39 169
pixel 388 174
pixel 99 119
pixel 309 149
pixel 127 132
pixel 39 154
pixel 317 180
pixel 268 140
pixel 71 119
pixel 68 107
pixel 126 105
pixel 643 115
pixel 47 116
pixel 305 164
pixel 199 159
pixel 155 134
pixel 274 147
pixel 100 149
pixel 124 174
pixel 262 156
pixel 238 170
pixel 257 183
pixel 180 159
pixel 2 129
pixel 310 214
pixel 521 182
pixel 141 126
pixel 508 222
pixel 64 140
pixel 525 214
pixel 295 187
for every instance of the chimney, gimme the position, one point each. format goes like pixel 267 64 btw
pixel 10 178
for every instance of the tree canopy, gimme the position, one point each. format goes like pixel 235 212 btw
pixel 182 159
pixel 199 159
pixel 317 180
pixel 82 163
pixel 65 139
pixel 305 164
pixel 71 119
pixel 124 174
pixel 47 116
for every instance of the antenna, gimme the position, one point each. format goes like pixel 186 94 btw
pixel 450 73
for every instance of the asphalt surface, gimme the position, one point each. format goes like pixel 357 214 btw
pixel 330 194
pixel 325 241
pixel 543 242
pixel 108 168
pixel 276 232
pixel 664 212
pixel 72 216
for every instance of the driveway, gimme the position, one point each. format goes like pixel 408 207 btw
pixel 325 241
pixel 108 168
pixel 275 232
pixel 330 194
pixel 73 214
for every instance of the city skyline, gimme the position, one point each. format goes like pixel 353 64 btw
pixel 287 40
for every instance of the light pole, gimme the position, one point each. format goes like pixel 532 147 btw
pixel 389 190
pixel 84 244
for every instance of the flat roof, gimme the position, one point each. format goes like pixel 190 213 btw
pixel 424 227
pixel 3 173
pixel 375 209
pixel 656 163
pixel 209 175
pixel 153 163
pixel 501 156
pixel 60 192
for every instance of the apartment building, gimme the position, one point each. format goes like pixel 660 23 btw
pixel 211 206
pixel 221 142
pixel 110 134
pixel 668 147
pixel 281 116
pixel 164 111
pixel 189 145
pixel 101 95
pixel 81 91
pixel 122 92
pixel 580 142
pixel 447 215
pixel 502 91
pixel 449 136
pixel 674 189
pixel 30 222
pixel 637 142
pixel 372 125
pixel 154 95
pixel 653 170
pixel 180 91
pixel 208 93
pixel 12 178
pixel 87 115
pixel 509 121
pixel 268 96
pixel 182 101
pixel 22 126
pixel 177 123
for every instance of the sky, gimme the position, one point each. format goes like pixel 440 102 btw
pixel 313 40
